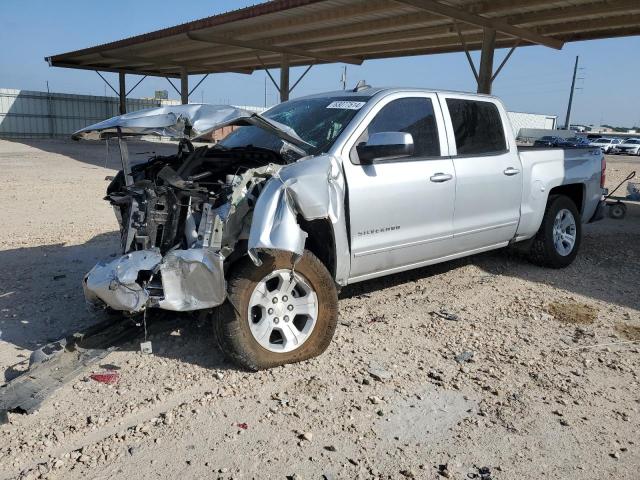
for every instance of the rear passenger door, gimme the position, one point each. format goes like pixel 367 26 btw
pixel 488 172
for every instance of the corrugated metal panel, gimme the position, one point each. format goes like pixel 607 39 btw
pixel 25 113
pixel 31 114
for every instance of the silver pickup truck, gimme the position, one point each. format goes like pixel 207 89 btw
pixel 263 228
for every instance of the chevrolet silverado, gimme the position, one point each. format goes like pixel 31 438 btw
pixel 319 192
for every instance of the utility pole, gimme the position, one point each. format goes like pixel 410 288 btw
pixel 343 78
pixel 567 124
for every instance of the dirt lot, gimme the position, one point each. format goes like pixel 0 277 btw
pixel 503 392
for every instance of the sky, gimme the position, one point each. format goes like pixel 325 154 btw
pixel 536 79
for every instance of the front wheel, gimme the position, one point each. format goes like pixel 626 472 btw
pixel 275 314
pixel 557 242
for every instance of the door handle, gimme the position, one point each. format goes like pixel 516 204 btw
pixel 440 177
pixel 511 171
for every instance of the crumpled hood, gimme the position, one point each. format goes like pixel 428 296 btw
pixel 185 121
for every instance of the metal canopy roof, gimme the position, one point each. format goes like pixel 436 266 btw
pixel 351 31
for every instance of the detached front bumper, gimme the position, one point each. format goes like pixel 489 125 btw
pixel 182 280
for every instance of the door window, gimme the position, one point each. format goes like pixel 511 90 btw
pixel 413 115
pixel 477 127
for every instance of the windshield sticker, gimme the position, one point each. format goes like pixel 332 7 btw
pixel 346 105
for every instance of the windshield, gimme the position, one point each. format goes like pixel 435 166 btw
pixel 632 142
pixel 318 121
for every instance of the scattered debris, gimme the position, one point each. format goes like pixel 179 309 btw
pixel 58 363
pixel 464 357
pixel 109 377
pixel 146 348
pixel 378 372
pixel 243 426
pixel 446 315
pixel 443 470
pixel 330 448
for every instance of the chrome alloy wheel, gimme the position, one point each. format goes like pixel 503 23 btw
pixel 564 232
pixel 283 311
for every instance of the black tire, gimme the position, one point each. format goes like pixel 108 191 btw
pixel 543 252
pixel 617 211
pixel 231 324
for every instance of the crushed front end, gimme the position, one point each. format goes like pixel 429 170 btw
pixel 180 218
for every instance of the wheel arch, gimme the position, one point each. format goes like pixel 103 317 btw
pixel 321 241
pixel 574 191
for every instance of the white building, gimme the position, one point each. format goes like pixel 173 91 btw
pixel 535 121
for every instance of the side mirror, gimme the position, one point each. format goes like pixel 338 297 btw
pixel 385 145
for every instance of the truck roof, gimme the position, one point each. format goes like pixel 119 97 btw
pixel 368 92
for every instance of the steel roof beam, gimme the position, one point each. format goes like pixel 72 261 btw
pixel 106 68
pixel 167 63
pixel 593 25
pixel 485 22
pixel 264 46
pixel 425 33
pixel 604 9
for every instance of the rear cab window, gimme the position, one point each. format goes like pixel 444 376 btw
pixel 477 127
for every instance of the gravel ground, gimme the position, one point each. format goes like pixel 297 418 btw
pixel 505 391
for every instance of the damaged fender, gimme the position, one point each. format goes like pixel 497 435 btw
pixel 312 188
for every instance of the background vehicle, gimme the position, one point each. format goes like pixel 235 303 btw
pixel 605 144
pixel 325 191
pixel 576 142
pixel 559 142
pixel 630 146
pixel 548 141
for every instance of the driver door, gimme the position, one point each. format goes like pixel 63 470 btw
pixel 401 209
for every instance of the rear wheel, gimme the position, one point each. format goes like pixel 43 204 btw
pixel 276 315
pixel 557 242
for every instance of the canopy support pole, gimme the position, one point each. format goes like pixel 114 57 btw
pixel 122 95
pixel 485 75
pixel 284 78
pixel 184 86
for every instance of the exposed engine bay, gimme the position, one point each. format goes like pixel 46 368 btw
pixel 180 217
